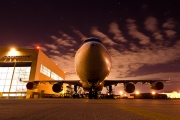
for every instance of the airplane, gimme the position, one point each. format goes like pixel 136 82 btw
pixel 92 66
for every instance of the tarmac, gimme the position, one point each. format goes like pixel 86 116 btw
pixel 85 109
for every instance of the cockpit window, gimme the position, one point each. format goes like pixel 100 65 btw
pixel 92 39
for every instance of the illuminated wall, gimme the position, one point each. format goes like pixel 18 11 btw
pixel 46 69
pixel 47 74
pixel 19 64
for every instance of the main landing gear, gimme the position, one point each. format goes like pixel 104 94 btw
pixel 75 95
pixel 110 92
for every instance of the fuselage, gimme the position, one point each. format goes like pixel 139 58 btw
pixel 92 64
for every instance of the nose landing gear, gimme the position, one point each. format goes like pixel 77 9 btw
pixel 93 94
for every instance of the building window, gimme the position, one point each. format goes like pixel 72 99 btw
pixel 44 70
pixel 14 74
pixel 54 76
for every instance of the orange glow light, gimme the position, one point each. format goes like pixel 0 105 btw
pixel 37 47
pixel 13 52
pixel 137 92
pixel 121 92
pixel 153 92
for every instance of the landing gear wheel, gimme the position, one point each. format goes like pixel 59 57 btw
pixel 112 96
pixel 90 95
pixel 95 95
pixel 75 95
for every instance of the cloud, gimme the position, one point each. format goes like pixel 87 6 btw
pixel 170 24
pixel 54 37
pixel 114 29
pixel 105 39
pixel 55 51
pixel 61 42
pixel 62 53
pixel 126 58
pixel 132 30
pixel 123 63
pixel 65 40
pixel 64 43
pixel 52 46
pixel 33 46
pixel 170 33
pixel 133 47
pixel 65 36
pixel 43 49
pixel 151 24
pixel 64 60
pixel 83 37
pixel 66 63
pixel 72 50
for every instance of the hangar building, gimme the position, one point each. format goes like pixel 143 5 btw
pixel 20 65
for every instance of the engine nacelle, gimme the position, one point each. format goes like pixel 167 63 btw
pixel 157 86
pixel 129 87
pixel 57 87
pixel 31 85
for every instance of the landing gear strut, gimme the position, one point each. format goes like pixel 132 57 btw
pixel 110 92
pixel 93 93
pixel 75 95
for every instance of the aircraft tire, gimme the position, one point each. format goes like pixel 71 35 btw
pixel 90 95
pixel 95 95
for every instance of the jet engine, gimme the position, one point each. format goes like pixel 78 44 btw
pixel 157 86
pixel 57 87
pixel 31 85
pixel 129 87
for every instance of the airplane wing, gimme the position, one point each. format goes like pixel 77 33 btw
pixel 56 84
pixel 129 84
pixel 71 82
pixel 115 82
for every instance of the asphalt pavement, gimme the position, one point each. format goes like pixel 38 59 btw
pixel 85 109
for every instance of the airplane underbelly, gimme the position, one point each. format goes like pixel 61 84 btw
pixel 88 87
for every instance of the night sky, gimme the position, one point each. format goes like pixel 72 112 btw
pixel 141 36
